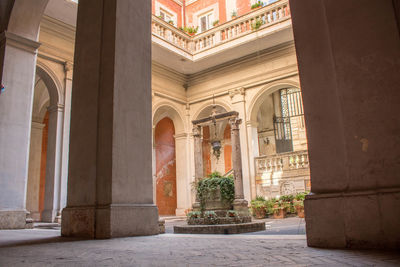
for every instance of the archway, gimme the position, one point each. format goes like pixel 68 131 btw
pixel 43 189
pixel 166 117
pixel 212 163
pixel 164 143
pixel 279 142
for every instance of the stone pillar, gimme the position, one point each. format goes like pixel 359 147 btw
pixel 18 61
pixel 254 152
pixel 53 164
pixel 33 189
pixel 349 72
pixel 182 176
pixel 198 153
pixel 239 204
pixel 238 100
pixel 110 175
pixel 65 140
pixel 198 160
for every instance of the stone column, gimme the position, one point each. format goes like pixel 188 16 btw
pixel 254 152
pixel 238 100
pixel 182 176
pixel 349 72
pixel 198 160
pixel 239 204
pixel 110 164
pixel 65 140
pixel 53 164
pixel 32 194
pixel 18 61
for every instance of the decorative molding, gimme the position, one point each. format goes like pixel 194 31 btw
pixel 236 91
pixel 25 44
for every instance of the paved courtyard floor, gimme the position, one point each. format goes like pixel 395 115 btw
pixel 45 247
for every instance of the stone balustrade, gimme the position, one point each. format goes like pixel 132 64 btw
pixel 236 28
pixel 282 162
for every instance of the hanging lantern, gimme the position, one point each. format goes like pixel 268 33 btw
pixel 216 146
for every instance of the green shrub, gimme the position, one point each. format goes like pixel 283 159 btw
pixel 258 4
pixel 194 214
pixel 207 186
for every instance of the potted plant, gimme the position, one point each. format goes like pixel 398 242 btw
pixel 258 4
pixel 234 14
pixel 191 30
pixel 258 209
pixel 279 210
pixel 255 25
pixel 299 204
pixel 231 213
pixel 171 22
pixel 215 23
pixel 288 203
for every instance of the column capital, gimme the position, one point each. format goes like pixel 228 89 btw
pixel 235 122
pixel 196 131
pixel 54 108
pixel 180 136
pixel 68 69
pixel 37 125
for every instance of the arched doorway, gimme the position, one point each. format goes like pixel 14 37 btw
pixel 43 189
pixel 166 191
pixel 212 163
pixel 280 142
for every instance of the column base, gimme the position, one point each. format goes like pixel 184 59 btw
pixel 49 216
pixel 12 219
pixel 196 206
pixel 241 206
pixel 180 212
pixel 368 219
pixel 110 221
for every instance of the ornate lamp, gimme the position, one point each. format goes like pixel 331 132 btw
pixel 215 143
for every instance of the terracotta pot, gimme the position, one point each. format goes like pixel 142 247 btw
pixel 260 213
pixel 280 213
pixel 300 211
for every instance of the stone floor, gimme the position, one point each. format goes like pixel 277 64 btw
pixel 45 247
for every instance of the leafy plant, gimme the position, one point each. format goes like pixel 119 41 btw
pixel 206 187
pixel 260 198
pixel 257 4
pixel 231 213
pixel 257 24
pixel 234 14
pixel 194 214
pixel 191 30
pixel 215 23
pixel 210 214
pixel 301 196
pixel 171 22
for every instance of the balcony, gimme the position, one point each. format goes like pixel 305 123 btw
pixel 228 41
pixel 282 174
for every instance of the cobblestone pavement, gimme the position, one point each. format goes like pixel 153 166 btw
pixel 41 247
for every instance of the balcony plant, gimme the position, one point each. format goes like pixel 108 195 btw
pixel 171 22
pixel 191 30
pixel 257 5
pixel 234 14
pixel 215 23
pixel 255 25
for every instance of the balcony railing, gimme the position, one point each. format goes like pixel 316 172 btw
pixel 282 162
pixel 236 28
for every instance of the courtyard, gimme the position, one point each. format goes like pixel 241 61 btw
pixel 283 243
pixel 45 247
